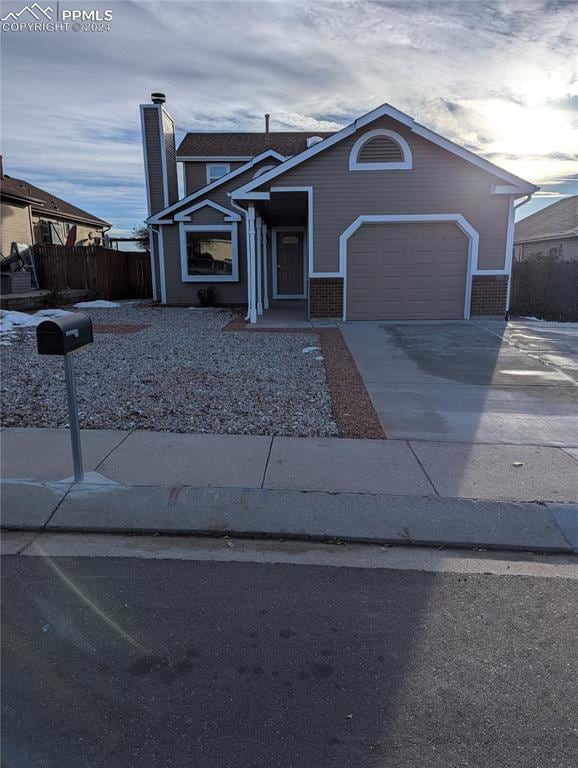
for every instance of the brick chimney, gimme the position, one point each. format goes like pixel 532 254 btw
pixel 160 156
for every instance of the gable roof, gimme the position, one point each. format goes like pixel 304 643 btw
pixel 45 202
pixel 557 220
pixel 517 185
pixel 157 218
pixel 233 144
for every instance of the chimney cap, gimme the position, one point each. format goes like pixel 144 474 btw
pixel 158 98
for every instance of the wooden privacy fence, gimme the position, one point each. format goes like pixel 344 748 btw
pixel 545 288
pixel 110 274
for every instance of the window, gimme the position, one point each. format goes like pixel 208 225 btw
pixel 216 170
pixel 380 150
pixel 209 253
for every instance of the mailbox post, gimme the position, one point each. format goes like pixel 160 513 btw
pixel 61 336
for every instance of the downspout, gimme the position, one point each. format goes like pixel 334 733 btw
pixel 509 287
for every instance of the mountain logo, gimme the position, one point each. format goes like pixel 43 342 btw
pixel 40 14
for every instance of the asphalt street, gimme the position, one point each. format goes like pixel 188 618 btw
pixel 111 661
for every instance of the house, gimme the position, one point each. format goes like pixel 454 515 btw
pixel 31 215
pixel 551 232
pixel 383 219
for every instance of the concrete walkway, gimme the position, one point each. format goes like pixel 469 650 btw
pixel 359 490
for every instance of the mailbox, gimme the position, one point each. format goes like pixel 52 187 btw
pixel 61 335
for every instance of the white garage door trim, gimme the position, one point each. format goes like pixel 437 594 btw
pixel 456 218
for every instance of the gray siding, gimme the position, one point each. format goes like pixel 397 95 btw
pixel 14 225
pixel 439 182
pixel 171 152
pixel 152 142
pixel 195 175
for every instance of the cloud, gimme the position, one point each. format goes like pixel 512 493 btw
pixel 70 118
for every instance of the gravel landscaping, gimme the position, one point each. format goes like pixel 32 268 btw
pixel 178 371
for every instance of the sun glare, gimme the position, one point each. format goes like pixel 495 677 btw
pixel 529 131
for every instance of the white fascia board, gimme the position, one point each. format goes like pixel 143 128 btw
pixel 157 218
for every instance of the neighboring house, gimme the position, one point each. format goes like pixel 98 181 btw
pixel 551 232
pixel 31 215
pixel 384 219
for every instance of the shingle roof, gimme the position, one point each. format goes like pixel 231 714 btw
pixel 205 144
pixel 557 220
pixel 44 201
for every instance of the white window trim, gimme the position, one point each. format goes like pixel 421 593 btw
pixel 219 165
pixel 275 231
pixel 405 164
pixel 232 228
pixel 456 218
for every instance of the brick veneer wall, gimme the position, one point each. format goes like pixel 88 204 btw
pixel 326 296
pixel 489 293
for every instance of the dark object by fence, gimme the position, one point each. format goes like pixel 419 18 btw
pixel 110 274
pixel 546 288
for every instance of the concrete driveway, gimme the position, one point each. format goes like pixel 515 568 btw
pixel 474 382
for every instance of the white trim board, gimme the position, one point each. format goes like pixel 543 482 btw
pixel 405 164
pixel 456 218
pixel 227 213
pixel 385 110
pixel 274 232
pixel 163 278
pixel 158 217
pixel 152 234
pixel 232 228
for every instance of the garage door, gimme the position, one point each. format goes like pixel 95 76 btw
pixel 406 272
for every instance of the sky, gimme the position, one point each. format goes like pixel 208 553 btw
pixel 496 77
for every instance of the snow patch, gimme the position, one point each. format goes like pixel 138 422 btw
pixel 98 304
pixel 11 321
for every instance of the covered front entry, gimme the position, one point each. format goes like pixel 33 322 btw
pixel 289 264
pixel 407 271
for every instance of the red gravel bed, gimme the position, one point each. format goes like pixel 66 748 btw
pixel 352 406
pixel 118 328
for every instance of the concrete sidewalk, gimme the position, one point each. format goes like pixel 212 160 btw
pixel 511 497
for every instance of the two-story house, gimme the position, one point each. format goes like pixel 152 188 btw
pixel 384 219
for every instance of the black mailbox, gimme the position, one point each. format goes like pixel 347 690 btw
pixel 62 335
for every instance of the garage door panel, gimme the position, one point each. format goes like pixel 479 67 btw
pixel 406 271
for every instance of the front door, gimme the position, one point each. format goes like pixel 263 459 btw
pixel 290 264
